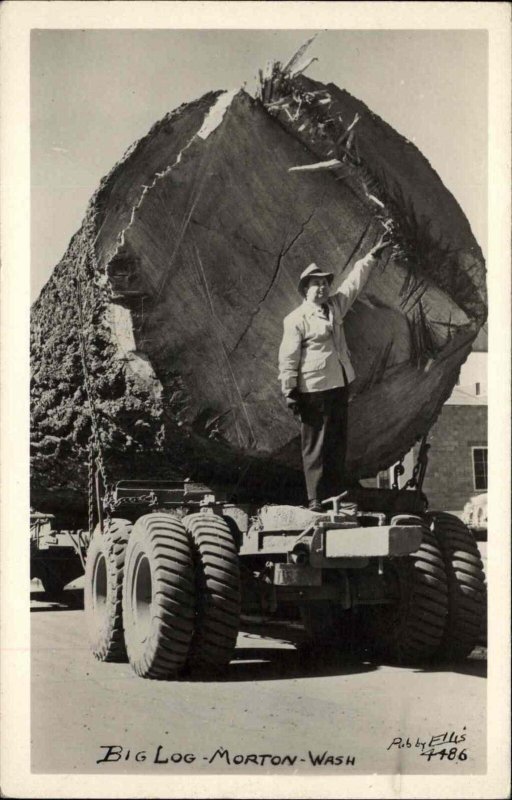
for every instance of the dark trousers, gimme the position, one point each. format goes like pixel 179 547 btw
pixel 324 441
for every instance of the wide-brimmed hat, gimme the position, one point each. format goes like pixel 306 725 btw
pixel 313 272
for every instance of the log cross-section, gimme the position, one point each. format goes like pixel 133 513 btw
pixel 184 268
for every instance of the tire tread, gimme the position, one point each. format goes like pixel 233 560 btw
pixel 218 592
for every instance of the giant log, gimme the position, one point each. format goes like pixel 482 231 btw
pixel 159 329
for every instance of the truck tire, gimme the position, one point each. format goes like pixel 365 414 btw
pixel 158 596
pixel 410 629
pixel 103 584
pixel 218 598
pixel 467 591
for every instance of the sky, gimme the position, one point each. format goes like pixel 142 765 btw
pixel 94 92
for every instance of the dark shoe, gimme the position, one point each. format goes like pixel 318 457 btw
pixel 315 505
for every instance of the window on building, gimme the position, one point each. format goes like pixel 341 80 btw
pixel 480 468
pixel 477 389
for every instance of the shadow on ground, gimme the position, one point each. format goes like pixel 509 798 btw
pixel 475 665
pixel 292 656
pixel 278 663
pixel 69 600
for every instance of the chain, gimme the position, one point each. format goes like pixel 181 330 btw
pixel 150 498
pixel 95 461
pixel 90 488
pixel 397 471
pixel 95 435
pixel 413 480
pixel 420 465
pixel 110 503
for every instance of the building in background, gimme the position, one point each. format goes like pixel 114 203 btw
pixel 457 468
pixel 457 465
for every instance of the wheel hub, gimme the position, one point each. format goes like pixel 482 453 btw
pixel 142 595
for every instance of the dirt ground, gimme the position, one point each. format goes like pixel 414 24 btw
pixel 275 709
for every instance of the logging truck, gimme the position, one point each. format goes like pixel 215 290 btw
pixel 173 566
pixel 56 555
pixel 159 331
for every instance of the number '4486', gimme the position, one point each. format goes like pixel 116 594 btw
pixel 453 754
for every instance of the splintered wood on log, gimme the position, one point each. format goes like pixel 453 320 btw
pixel 185 266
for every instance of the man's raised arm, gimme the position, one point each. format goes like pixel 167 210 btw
pixel 352 284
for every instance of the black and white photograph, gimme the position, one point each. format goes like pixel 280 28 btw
pixel 262 400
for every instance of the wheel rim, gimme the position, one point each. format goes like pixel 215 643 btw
pixel 142 596
pixel 99 590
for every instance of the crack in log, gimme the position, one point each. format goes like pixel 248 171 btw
pixel 281 255
pixel 146 188
pixel 157 178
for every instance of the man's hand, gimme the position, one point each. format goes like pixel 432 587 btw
pixel 381 245
pixel 292 401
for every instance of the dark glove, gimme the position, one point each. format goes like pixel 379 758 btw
pixel 292 401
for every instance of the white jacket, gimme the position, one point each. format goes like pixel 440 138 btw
pixel 313 354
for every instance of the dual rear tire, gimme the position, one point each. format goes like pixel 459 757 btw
pixel 217 592
pixel 103 588
pixel 164 596
pixel 158 596
pixel 410 628
pixel 467 590
pixel 439 598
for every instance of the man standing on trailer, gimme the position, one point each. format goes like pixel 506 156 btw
pixel 315 371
